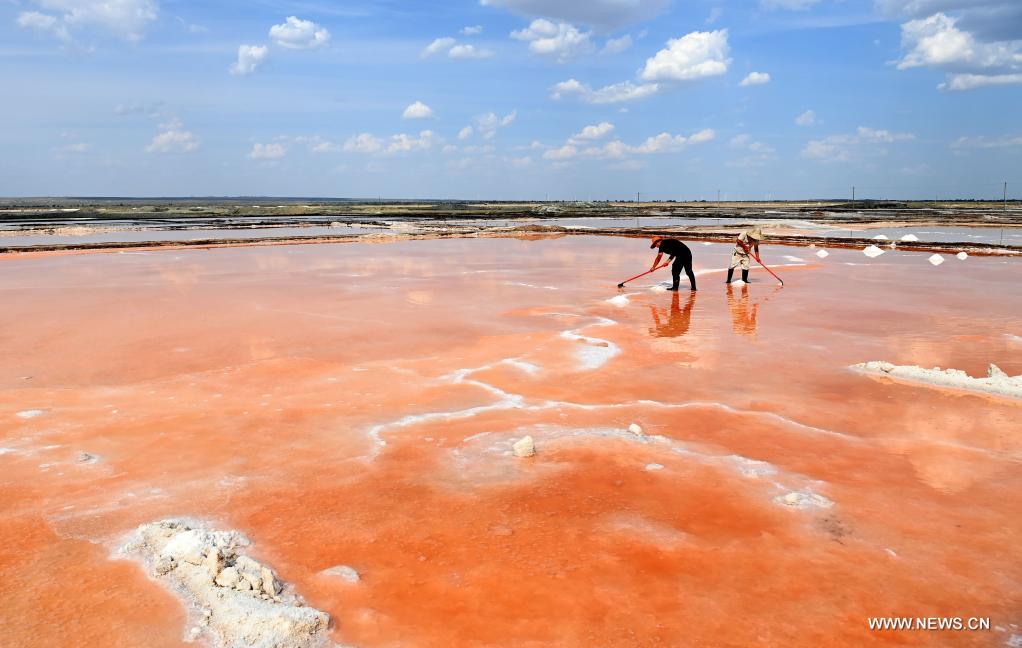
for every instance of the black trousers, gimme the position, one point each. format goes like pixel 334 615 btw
pixel 683 262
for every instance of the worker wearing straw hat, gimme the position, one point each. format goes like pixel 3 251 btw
pixel 747 241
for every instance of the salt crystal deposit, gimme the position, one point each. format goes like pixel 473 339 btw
pixel 910 238
pixel 872 251
pixel 936 260
pixel 962 256
pixel 524 447
pixel 823 254
pixel 235 600
pixel 996 382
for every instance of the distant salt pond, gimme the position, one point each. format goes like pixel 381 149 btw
pixel 165 235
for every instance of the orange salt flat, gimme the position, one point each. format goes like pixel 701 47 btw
pixel 354 404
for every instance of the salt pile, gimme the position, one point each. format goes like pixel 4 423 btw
pixel 236 600
pixel 872 251
pixel 524 447
pixel 962 256
pixel 823 254
pixel 936 260
pixel 635 429
pixel 910 237
pixel 880 237
pixel 620 301
pixel 996 382
pixel 345 573
pixel 803 500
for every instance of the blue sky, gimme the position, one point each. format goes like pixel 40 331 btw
pixel 516 99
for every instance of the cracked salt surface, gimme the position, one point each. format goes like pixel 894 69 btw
pixel 996 382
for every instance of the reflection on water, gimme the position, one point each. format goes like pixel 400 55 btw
pixel 743 312
pixel 673 323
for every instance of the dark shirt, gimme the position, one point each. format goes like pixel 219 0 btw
pixel 675 248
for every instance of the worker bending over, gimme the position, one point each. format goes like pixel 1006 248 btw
pixel 677 252
pixel 748 241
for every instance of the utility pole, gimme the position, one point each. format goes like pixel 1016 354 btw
pixel 853 193
pixel 1005 197
pixel 637 197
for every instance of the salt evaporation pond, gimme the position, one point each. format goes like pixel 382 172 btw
pixel 351 409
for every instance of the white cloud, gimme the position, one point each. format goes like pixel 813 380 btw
pixel 756 153
pixel 43 23
pixel 714 16
pixel 402 143
pixel 986 20
pixel 473 30
pixel 363 143
pixel 173 138
pixel 605 14
pixel 937 41
pixel 417 110
pixel 126 18
pixel 469 52
pixel 843 147
pixel 986 142
pixel 250 57
pixel 665 142
pixel 693 56
pixel 487 125
pixel 755 78
pixel 593 132
pixel 562 153
pixel 438 46
pixel 808 118
pixel 465 133
pixel 617 45
pixel 791 5
pixel 295 33
pixel 560 41
pixel 267 151
pixel 972 81
pixel 616 93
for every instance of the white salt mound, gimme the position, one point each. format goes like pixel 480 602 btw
pixel 910 237
pixel 235 600
pixel 880 237
pixel 872 251
pixel 996 382
pixel 348 574
pixel 962 256
pixel 803 500
pixel 635 429
pixel 936 260
pixel 524 447
pixel 620 301
pixel 823 254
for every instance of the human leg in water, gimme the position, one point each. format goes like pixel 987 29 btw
pixel 745 276
pixel 730 275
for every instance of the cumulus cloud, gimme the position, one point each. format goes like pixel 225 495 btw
pixel 487 125
pixel 615 93
pixel 267 151
pixel 295 33
pixel 438 46
pixel 363 143
pixel 843 147
pixel 417 110
pixel 987 20
pixel 402 143
pixel 808 118
pixel 173 138
pixel 465 133
pixel 755 78
pixel 560 41
pixel 250 57
pixel 604 14
pixel 617 45
pixel 937 41
pixel 616 149
pixel 593 132
pixel 469 52
pixel 126 18
pixel 987 142
pixel 693 56
pixel 755 153
pixel 473 30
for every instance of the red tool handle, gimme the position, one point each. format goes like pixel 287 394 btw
pixel 759 261
pixel 666 263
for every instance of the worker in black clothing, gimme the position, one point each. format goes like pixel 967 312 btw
pixel 677 252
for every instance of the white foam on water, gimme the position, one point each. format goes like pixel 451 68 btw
pixel 872 251
pixel 620 301
pixel 592 353
pixel 823 254
pixel 910 237
pixel 936 260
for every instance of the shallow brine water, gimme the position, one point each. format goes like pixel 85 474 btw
pixel 355 405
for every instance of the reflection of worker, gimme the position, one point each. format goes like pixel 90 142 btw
pixel 677 322
pixel 679 254
pixel 747 241
pixel 743 314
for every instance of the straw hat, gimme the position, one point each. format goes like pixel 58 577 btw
pixel 756 233
pixel 655 242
